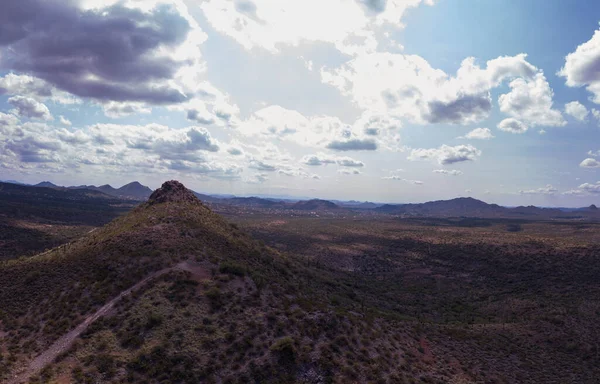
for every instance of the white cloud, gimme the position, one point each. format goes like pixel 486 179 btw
pixel 594 153
pixel 547 190
pixel 446 154
pixel 581 67
pixel 453 172
pixel 590 188
pixel 269 24
pixel 407 86
pixel 596 114
pixel 64 121
pixel 115 110
pixel 590 163
pixel 396 177
pixel 530 101
pixel 368 133
pixel 38 89
pixel 323 159
pixel 30 108
pixel 576 110
pixel 512 125
pixel 479 134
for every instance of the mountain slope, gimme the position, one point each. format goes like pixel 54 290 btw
pixel 51 293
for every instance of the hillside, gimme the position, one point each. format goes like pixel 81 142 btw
pixel 232 308
pixel 33 219
pixel 173 293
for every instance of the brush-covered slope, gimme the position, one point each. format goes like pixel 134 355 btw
pixel 228 309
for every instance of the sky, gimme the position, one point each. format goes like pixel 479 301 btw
pixel 382 100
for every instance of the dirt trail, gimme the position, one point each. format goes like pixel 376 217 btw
pixel 64 343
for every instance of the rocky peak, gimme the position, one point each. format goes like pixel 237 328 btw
pixel 172 191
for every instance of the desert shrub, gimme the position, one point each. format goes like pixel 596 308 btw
pixel 514 227
pixel 232 268
pixel 215 297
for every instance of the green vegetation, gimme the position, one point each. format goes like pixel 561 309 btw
pixel 361 300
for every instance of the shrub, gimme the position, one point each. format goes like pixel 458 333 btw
pixel 232 269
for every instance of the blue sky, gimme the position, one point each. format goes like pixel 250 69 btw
pixel 392 101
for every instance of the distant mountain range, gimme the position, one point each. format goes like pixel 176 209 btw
pixel 470 207
pixel 131 191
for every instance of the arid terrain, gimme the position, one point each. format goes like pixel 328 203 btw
pixel 172 291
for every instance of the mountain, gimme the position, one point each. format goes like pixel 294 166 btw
pixel 256 202
pixel 315 205
pixel 136 190
pixel 46 184
pixel 470 207
pixel 131 191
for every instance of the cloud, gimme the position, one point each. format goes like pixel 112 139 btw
pixel 530 101
pixel 38 89
pixel 406 86
pixel 452 172
pixel 446 154
pixel 116 52
pixel 547 190
pixel 590 163
pixel 512 125
pixel 30 108
pixel 594 153
pixel 270 25
pixel 478 134
pixel 581 67
pixel 8 120
pixel 344 171
pixel 576 110
pixel 322 159
pixel 64 121
pixel 396 177
pixel 349 162
pixel 115 110
pixel 352 145
pixel 262 166
pixel 257 178
pixel 368 133
pixel 590 188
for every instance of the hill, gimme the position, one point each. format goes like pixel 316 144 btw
pixel 206 302
pixel 314 205
pixel 135 190
pixel 33 219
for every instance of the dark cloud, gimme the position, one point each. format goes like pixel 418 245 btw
pixel 464 109
pixel 352 145
pixel 105 54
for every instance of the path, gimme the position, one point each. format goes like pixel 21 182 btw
pixel 64 343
